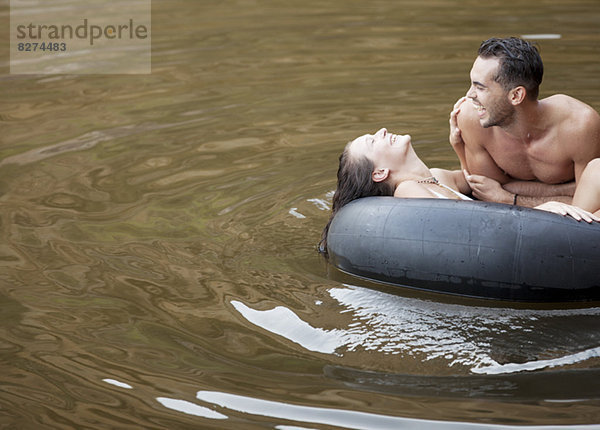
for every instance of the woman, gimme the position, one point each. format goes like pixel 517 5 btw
pixel 385 164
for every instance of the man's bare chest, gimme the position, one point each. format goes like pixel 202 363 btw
pixel 542 160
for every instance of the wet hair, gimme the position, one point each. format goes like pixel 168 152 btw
pixel 354 180
pixel 520 63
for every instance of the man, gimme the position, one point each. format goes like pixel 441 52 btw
pixel 513 147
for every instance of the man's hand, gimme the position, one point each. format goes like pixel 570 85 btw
pixel 572 211
pixel 487 189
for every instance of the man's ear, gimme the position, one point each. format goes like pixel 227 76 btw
pixel 517 95
pixel 380 174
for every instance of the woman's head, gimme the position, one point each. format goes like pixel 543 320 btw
pixel 386 151
pixel 355 179
pixel 357 173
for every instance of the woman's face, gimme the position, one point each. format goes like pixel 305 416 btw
pixel 385 150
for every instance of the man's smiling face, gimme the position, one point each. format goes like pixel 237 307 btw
pixel 489 98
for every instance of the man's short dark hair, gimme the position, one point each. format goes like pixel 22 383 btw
pixel 520 63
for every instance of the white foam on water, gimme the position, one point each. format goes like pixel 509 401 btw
pixel 346 418
pixel 118 383
pixel 190 408
pixel 284 322
pixel 539 364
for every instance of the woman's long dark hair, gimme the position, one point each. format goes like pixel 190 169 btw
pixel 354 180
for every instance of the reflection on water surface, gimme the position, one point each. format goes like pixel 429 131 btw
pixel 157 254
pixel 482 340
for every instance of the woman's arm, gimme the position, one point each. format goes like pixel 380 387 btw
pixel 455 136
pixel 570 210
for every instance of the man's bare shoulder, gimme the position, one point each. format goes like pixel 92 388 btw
pixel 575 122
pixel 564 99
pixel 563 108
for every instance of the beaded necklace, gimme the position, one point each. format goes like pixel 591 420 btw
pixel 430 180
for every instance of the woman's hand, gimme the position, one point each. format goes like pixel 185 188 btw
pixel 455 136
pixel 568 210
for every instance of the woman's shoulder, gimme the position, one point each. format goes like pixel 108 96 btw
pixel 453 178
pixel 445 176
pixel 411 189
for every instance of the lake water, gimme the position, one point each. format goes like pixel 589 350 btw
pixel 158 264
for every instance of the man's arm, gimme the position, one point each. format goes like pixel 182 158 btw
pixel 489 190
pixel 534 201
pixel 539 189
pixel 468 140
pixel 534 193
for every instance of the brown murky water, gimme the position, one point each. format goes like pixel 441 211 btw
pixel 157 232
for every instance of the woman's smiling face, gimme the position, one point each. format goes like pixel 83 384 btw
pixel 385 150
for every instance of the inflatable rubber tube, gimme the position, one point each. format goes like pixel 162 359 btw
pixel 469 248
